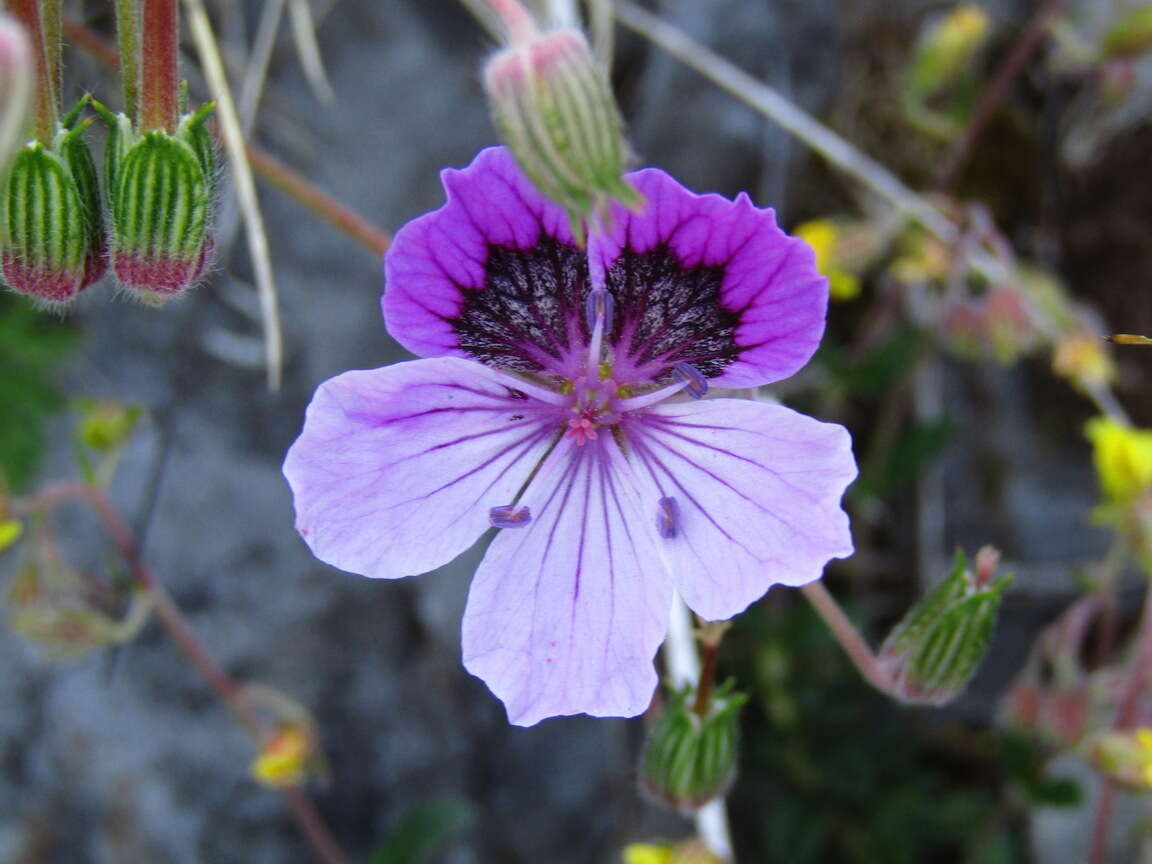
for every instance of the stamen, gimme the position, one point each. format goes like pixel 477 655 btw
pixel 598 309
pixel 668 518
pixel 509 516
pixel 694 381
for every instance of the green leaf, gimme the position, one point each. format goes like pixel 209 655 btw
pixel 424 830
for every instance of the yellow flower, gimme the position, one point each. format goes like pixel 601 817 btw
pixel 647 853
pixel 1123 458
pixel 823 236
pixel 689 852
pixel 10 531
pixel 283 762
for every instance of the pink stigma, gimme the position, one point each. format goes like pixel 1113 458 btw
pixel 582 429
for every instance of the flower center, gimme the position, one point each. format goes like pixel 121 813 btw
pixel 593 405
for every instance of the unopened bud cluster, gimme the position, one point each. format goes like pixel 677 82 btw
pixel 53 231
pixel 936 648
pixel 690 758
pixel 554 109
pixel 160 195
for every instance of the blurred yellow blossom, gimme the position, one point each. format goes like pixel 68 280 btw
pixel 1082 358
pixel 1126 757
pixel 285 759
pixel 947 47
pixel 690 852
pixel 1123 458
pixel 824 236
pixel 10 531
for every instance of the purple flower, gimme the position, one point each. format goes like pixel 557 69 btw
pixel 555 404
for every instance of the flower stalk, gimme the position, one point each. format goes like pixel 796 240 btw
pixel 128 37
pixel 159 66
pixel 46 116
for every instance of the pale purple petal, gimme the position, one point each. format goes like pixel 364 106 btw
pixel 494 274
pixel 566 614
pixel 397 468
pixel 711 282
pixel 757 491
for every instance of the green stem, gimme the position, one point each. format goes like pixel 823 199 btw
pixel 160 54
pixel 128 36
pixel 51 19
pixel 46 118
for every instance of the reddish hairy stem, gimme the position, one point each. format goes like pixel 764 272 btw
pixel 1127 716
pixel 320 203
pixel 45 120
pixel 846 634
pixel 301 806
pixel 263 163
pixel 159 67
pixel 708 652
pixel 994 93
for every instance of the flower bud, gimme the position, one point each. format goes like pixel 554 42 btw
pixel 946 49
pixel 934 651
pixel 16 78
pixel 53 244
pixel 52 605
pixel 554 109
pixel 690 759
pixel 160 191
pixel 289 752
pixel 106 426
pixel 1125 756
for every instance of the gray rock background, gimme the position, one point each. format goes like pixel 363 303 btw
pixel 130 759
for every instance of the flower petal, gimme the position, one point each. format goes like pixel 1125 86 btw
pixel 711 282
pixel 757 491
pixel 565 615
pixel 494 274
pixel 396 468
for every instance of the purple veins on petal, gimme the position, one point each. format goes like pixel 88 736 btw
pixel 510 516
pixel 694 382
pixel 668 517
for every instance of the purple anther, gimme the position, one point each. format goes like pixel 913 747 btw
pixel 667 518
pixel 599 307
pixel 509 516
pixel 697 384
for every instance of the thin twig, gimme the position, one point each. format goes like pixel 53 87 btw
pixel 284 178
pixel 256 70
pixel 828 144
pixel 776 107
pixel 302 808
pixel 993 94
pixel 308 49
pixel 1127 716
pixel 159 64
pixel 234 145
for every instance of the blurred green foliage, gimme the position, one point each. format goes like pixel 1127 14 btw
pixel 423 832
pixel 32 345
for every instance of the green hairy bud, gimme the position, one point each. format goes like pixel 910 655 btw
pixel 553 107
pixel 53 233
pixel 160 197
pixel 690 759
pixel 935 650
